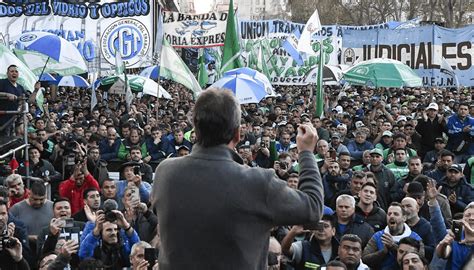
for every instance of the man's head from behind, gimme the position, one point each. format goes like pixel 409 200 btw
pixel 38 195
pixel 216 110
pixel 350 250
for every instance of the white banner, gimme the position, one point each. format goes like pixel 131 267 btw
pixel 98 30
pixel 194 31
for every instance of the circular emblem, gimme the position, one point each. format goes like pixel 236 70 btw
pixel 349 56
pixel 27 37
pixel 130 37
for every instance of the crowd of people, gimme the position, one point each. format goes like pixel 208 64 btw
pixel 397 167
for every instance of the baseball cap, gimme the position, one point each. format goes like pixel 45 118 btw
pixel 336 135
pixel 401 118
pixel 387 133
pixel 338 109
pixel 455 167
pixel 293 146
pixel 359 124
pixel 432 106
pixel 439 139
pixel 376 151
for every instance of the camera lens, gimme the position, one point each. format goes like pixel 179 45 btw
pixel 110 216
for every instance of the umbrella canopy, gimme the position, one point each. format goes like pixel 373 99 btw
pixel 73 81
pixel 37 49
pixel 116 84
pixel 260 77
pixel 245 88
pixel 381 72
pixel 331 75
pixel 151 72
pixel 25 76
pixel 46 77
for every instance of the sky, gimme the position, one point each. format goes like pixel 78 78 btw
pixel 203 6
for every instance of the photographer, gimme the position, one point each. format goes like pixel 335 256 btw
pixel 138 215
pixel 263 158
pixel 11 250
pixel 96 165
pixel 131 172
pixel 74 187
pixel 110 240
pixel 457 246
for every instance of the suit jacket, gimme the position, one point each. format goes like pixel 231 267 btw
pixel 216 213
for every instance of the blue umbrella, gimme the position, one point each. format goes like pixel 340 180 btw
pixel 46 77
pixel 151 72
pixel 260 77
pixel 245 88
pixel 73 81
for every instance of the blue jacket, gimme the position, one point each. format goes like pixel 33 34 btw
pixel 89 242
pixel 155 150
pixel 357 149
pixel 109 152
pixel 144 189
pixel 456 135
pixel 464 194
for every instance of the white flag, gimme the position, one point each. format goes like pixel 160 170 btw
pixel 312 26
pixel 448 70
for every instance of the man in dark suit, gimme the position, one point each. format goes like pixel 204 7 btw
pixel 213 211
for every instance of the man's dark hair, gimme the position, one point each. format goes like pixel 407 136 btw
pixel 293 175
pixel 399 135
pixel 358 174
pixel 351 238
pixel 107 180
pixel 369 184
pixel 423 180
pixel 216 117
pixel 135 147
pixel 61 199
pixel 411 242
pixel 413 158
pixel 38 188
pixel 344 154
pixel 85 194
pixel 422 258
pixel 335 263
pixel 11 66
pixel 4 202
pixel 444 153
pixel 331 218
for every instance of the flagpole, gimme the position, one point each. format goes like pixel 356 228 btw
pixel 158 46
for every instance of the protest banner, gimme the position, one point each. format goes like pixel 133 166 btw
pixel 97 29
pixel 422 48
pixel 194 30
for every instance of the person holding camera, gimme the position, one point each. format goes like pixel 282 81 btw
pixel 458 245
pixel 74 187
pixel 320 249
pixel 131 172
pixel 11 249
pixel 138 215
pixel 110 240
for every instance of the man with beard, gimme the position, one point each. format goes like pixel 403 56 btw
pixel 145 169
pixel 350 251
pixel 334 182
pixel 96 165
pixel 321 249
pixel 445 160
pixel 419 225
pixel 455 186
pixel 91 205
pixel 109 241
pixel 367 208
pixel 381 251
pixel 399 166
pixel 74 187
pixel 415 168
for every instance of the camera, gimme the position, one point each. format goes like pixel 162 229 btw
pixel 457 230
pixel 263 145
pixel 67 223
pixel 283 165
pixel 136 170
pixel 7 242
pixel 110 216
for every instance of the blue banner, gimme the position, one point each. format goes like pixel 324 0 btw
pixel 425 49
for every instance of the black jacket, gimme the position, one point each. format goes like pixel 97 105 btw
pixel 377 218
pixel 358 227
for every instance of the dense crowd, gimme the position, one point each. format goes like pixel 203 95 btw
pixel 397 167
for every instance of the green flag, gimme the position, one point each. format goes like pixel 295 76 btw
pixel 202 74
pixel 262 62
pixel 319 88
pixel 231 55
pixel 173 68
pixel 40 99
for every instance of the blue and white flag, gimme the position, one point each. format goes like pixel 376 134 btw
pixel 291 44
